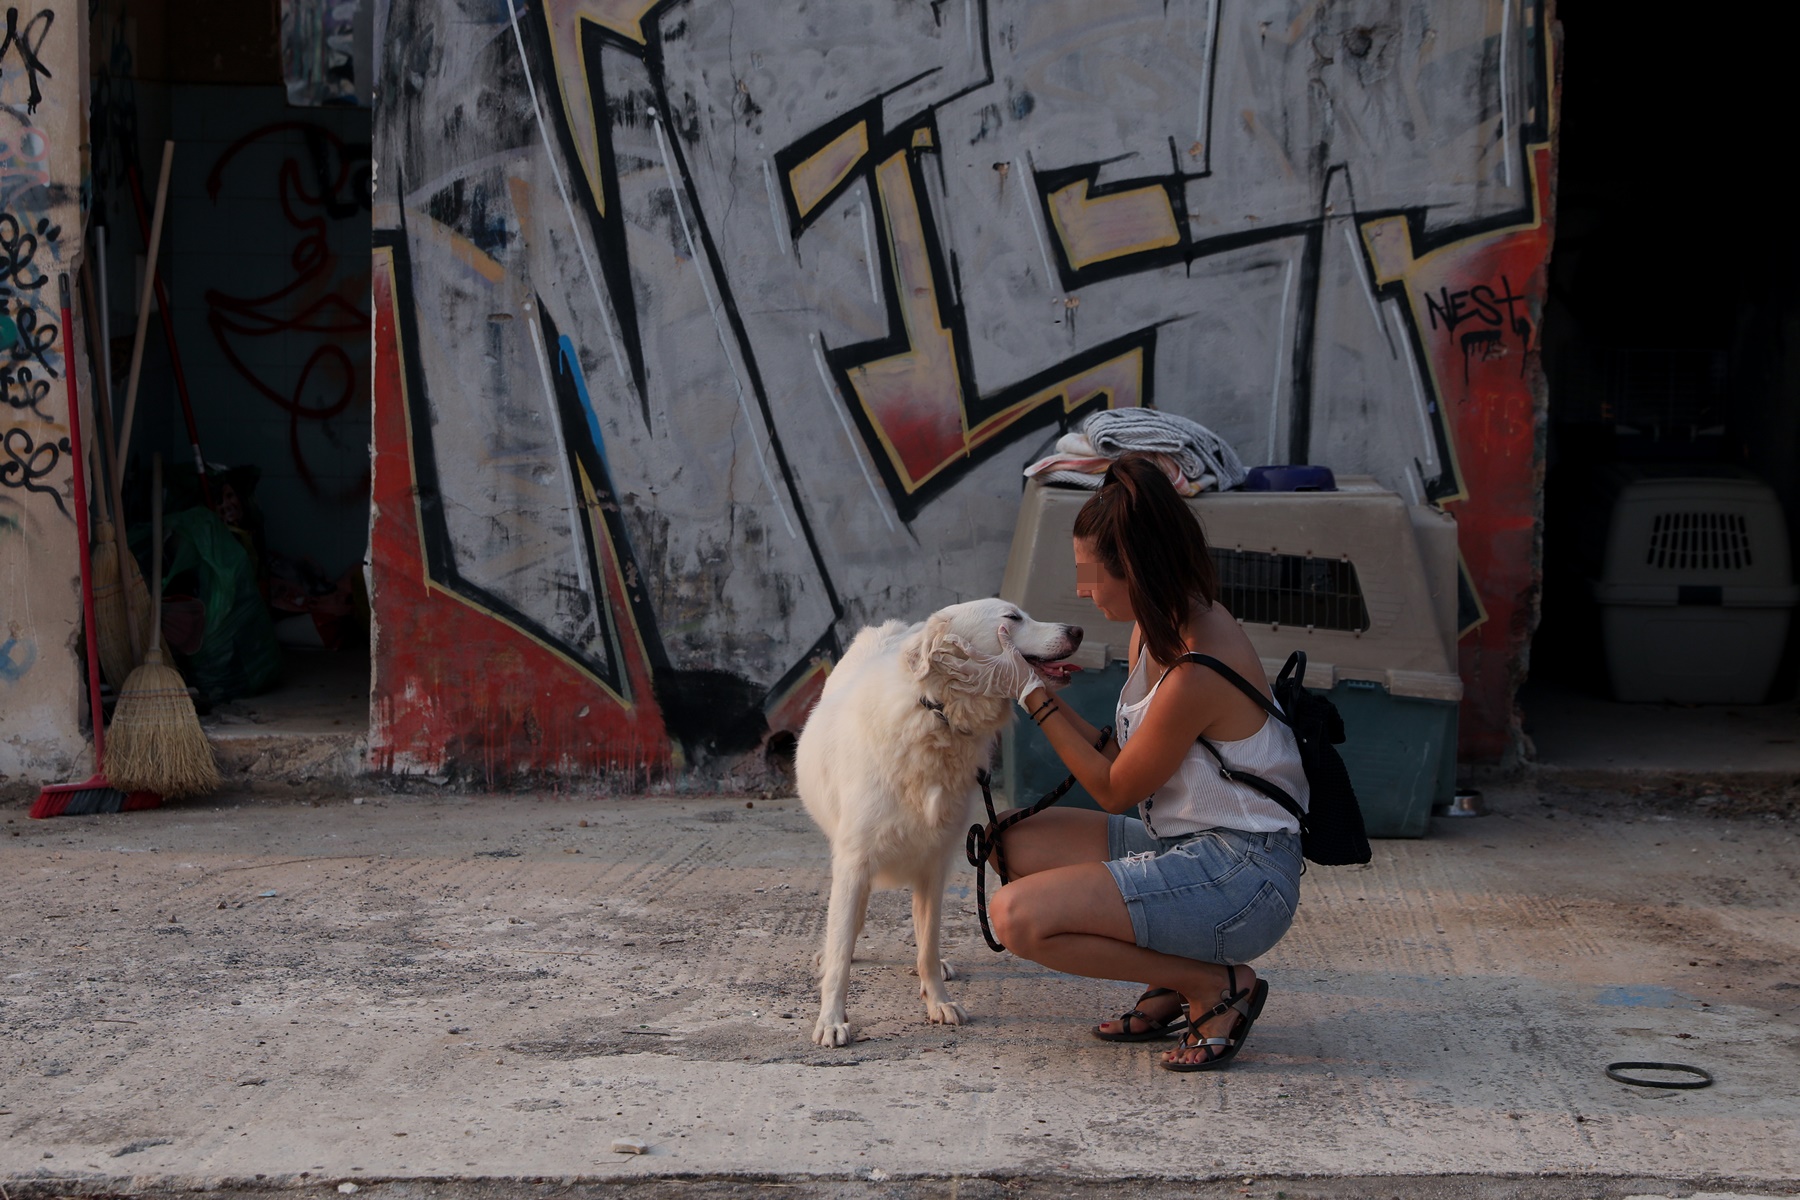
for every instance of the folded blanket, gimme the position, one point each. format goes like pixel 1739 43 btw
pixel 1195 449
pixel 1191 455
pixel 1072 462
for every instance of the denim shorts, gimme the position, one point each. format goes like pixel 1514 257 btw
pixel 1220 895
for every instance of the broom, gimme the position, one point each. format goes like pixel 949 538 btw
pixel 152 246
pixel 157 742
pixel 122 604
pixel 95 794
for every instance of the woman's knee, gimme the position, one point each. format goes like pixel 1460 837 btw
pixel 1013 919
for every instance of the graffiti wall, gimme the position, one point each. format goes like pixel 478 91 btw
pixel 705 332
pixel 41 94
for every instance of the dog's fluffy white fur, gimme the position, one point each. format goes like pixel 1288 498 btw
pixel 892 782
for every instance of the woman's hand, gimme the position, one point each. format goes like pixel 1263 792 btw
pixel 1007 672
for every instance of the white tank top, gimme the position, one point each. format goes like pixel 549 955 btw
pixel 1197 797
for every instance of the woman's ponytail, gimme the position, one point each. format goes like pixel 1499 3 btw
pixel 1144 533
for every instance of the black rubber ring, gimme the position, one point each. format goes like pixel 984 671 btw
pixel 1613 1071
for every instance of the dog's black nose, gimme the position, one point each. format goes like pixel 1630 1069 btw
pixel 1074 632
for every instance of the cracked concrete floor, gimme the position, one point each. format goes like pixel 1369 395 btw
pixel 484 987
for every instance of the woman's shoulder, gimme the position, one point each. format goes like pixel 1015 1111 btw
pixel 1215 633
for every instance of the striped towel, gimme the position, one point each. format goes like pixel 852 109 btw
pixel 1196 450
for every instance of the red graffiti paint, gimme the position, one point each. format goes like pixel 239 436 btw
pixel 1491 390
pixel 457 688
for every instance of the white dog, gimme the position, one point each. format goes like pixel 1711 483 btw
pixel 886 766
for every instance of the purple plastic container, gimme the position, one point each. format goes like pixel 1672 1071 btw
pixel 1291 479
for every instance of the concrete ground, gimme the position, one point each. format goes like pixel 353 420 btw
pixel 461 995
pixel 1576 733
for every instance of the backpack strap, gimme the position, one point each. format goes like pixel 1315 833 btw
pixel 1273 791
pixel 1243 685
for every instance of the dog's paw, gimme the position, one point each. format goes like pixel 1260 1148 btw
pixel 832 1030
pixel 945 1012
pixel 950 971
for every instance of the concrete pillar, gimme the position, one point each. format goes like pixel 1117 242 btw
pixel 43 146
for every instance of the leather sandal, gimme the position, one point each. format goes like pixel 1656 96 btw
pixel 1248 1004
pixel 1155 1029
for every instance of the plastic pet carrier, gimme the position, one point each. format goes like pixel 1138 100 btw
pixel 1696 589
pixel 1362 581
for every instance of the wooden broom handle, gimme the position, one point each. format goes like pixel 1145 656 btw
pixel 112 487
pixel 101 435
pixel 156 552
pixel 143 314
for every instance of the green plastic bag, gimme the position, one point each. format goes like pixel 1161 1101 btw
pixel 238 654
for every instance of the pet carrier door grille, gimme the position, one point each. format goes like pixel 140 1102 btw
pixel 1699 541
pixel 1291 589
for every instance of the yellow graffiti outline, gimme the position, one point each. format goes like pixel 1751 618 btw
pixel 821 666
pixel 623 17
pixel 809 186
pixel 925 299
pixel 607 552
pixel 1462 573
pixel 464 251
pixel 1084 207
pixel 1065 387
pixel 929 298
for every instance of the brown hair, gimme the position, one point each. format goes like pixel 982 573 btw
pixel 1144 533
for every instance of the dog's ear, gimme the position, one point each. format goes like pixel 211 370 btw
pixel 930 644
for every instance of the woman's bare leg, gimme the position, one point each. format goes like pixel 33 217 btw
pixel 1056 837
pixel 1063 837
pixel 1073 919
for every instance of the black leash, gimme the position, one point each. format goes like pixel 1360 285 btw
pixel 985 840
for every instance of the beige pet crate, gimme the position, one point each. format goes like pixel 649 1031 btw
pixel 1361 580
pixel 1697 590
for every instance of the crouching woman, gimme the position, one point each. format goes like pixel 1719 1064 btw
pixel 1205 877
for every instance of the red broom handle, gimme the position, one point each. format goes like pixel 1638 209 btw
pixel 81 519
pixel 168 324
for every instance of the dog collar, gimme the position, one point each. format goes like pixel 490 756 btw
pixel 936 708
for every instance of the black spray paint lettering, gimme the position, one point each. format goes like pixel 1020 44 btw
pixel 24 386
pixel 1496 312
pixel 1482 303
pixel 28 42
pixel 35 340
pixel 24 461
pixel 21 390
pixel 19 244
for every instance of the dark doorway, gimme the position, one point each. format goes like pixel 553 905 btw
pixel 255 354
pixel 1671 329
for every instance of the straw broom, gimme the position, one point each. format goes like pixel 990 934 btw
pixel 156 743
pixel 113 624
pixel 122 605
pixel 136 607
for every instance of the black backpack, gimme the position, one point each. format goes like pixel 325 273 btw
pixel 1331 827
